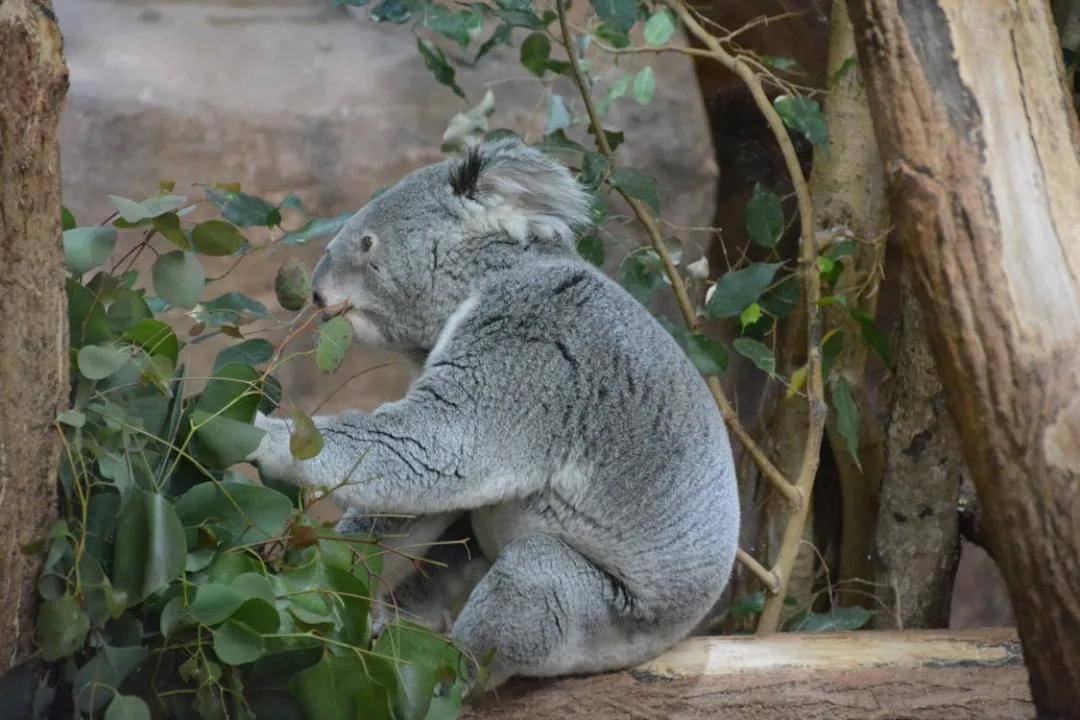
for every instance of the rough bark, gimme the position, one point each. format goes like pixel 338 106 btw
pixel 866 675
pixel 982 156
pixel 33 308
pixel 917 539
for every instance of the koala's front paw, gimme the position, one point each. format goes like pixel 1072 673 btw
pixel 267 457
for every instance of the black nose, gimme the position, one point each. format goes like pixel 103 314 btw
pixel 318 299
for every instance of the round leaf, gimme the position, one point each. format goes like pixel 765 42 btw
pixel 217 237
pixel 127 707
pixel 87 247
pixel 235 643
pixel 97 362
pixel 335 337
pixel 61 627
pixel 292 285
pixel 305 441
pixel 179 279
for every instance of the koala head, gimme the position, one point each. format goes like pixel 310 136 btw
pixel 406 260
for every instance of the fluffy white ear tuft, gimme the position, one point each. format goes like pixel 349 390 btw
pixel 521 190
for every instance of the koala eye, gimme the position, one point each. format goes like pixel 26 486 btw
pixel 367 241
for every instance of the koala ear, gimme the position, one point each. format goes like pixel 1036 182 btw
pixel 520 190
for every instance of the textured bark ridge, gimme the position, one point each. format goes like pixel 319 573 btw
pixel 982 157
pixel 33 308
pixel 866 675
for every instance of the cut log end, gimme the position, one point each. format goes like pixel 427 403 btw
pixel 864 675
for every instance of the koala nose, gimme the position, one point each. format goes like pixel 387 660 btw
pixel 318 299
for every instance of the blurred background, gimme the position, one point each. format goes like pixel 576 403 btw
pixel 302 97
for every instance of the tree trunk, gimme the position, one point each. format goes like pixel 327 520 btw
pixel 982 157
pixel 33 307
pixel 843 676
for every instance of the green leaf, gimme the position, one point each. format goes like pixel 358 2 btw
pixel 757 353
pixel 232 308
pixel 803 115
pixel 764 217
pixel 638 185
pixel 155 338
pixel 872 336
pixel 708 355
pixel 847 417
pixel 71 418
pixel 747 605
pixel 618 88
pixel 339 688
pixel 831 348
pixel 127 707
pixel 223 441
pixel 316 228
pixel 168 225
pixel 305 441
pixel 644 85
pixel 501 36
pixel 640 274
pixel 94 682
pixel 292 285
pixel 97 362
pixel 849 617
pixel 61 627
pixel 216 602
pixel 660 28
pixel 233 392
pixel 619 14
pixel 67 220
pixel 847 66
pixel 179 279
pixel 422 658
pixel 244 210
pixel 737 289
pixel 437 63
pixel 87 320
pixel 395 11
pixel 254 351
pixel 253 514
pixel 459 27
pixel 235 643
pixel 591 248
pixel 217 238
pixel 335 337
pixel 127 309
pixel 535 53
pixel 134 212
pixel 750 315
pixel 87 247
pixel 150 550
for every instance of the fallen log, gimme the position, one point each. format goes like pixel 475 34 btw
pixel 864 675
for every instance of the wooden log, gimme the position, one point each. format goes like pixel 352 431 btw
pixel 865 675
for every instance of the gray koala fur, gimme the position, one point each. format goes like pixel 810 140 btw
pixel 552 408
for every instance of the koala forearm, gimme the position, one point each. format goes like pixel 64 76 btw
pixel 377 463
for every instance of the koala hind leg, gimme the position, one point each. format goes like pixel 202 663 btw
pixel 544 609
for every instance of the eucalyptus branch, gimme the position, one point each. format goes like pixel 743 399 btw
pixel 804 483
pixel 645 218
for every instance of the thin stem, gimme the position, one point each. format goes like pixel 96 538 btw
pixel 789 545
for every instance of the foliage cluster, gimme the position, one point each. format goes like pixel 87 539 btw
pixel 174 586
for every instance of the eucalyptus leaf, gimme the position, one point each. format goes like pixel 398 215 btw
pixel 305 440
pixel 659 28
pixel 87 247
pixel 316 228
pixel 638 185
pixel 758 353
pixel 847 417
pixel 737 289
pixel 150 549
pixel 217 237
pixel 334 340
pixel 803 114
pixel 127 707
pixel 179 278
pixel 97 362
pixel 764 217
pixel 709 356
pixel 61 627
pixel 644 85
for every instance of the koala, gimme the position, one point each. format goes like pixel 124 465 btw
pixel 552 413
